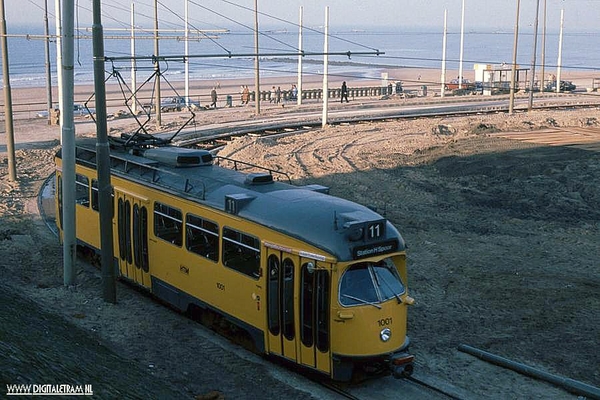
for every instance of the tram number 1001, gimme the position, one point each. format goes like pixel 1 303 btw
pixel 385 321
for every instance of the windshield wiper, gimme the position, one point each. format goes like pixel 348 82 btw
pixel 362 301
pixel 396 295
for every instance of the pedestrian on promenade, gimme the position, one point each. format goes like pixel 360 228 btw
pixel 294 92
pixel 272 95
pixel 344 93
pixel 213 97
pixel 245 95
pixel 278 95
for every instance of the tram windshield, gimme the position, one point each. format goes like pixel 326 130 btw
pixel 370 283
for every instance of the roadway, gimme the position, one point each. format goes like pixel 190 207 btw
pixel 310 115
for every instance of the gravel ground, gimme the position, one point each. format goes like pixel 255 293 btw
pixel 503 241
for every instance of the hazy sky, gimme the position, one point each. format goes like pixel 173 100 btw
pixel 580 15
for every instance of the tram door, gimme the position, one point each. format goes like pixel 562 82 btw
pixel 298 309
pixel 132 237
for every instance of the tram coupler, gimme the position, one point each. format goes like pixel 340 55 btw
pixel 401 365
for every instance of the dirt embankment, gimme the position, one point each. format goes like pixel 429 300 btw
pixel 503 241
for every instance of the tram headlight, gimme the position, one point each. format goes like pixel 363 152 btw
pixel 385 334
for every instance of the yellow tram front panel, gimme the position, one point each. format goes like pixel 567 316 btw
pixel 358 329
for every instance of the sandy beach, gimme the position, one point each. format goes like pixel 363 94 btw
pixel 27 101
pixel 487 218
pixel 30 99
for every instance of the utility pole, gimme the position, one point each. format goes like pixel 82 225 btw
pixel 300 46
pixel 109 288
pixel 8 118
pixel 533 58
pixel 513 76
pixel 48 74
pixel 560 46
pixel 326 69
pixel 68 145
pixel 443 78
pixel 542 71
pixel 133 63
pixel 59 74
pixel 256 61
pixel 462 46
pixel 186 51
pixel 156 69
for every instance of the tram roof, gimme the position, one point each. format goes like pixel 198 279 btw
pixel 303 212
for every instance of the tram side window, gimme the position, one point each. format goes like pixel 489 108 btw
pixel 241 252
pixel 307 305
pixel 273 294
pixel 287 292
pixel 314 308
pixel 96 199
pixel 322 310
pixel 202 237
pixel 140 237
pixel 82 190
pixel 168 223
pixel 60 199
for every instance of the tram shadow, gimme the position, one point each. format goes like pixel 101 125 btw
pixel 497 230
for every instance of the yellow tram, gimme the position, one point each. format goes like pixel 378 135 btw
pixel 311 278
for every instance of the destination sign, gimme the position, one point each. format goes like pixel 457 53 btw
pixel 374 249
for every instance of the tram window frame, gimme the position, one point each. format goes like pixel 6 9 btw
pixel 202 237
pixel 144 239
pixel 314 308
pixel 121 227
pixel 96 197
pixel 82 190
pixel 136 236
pixel 322 307
pixel 241 252
pixel 287 294
pixel 140 236
pixel 168 223
pixel 307 322
pixel 59 190
pixel 128 238
pixel 273 294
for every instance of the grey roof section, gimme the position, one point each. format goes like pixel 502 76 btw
pixel 317 218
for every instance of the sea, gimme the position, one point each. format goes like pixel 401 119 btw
pixel 357 53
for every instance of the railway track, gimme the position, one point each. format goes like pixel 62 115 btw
pixel 411 387
pixel 215 136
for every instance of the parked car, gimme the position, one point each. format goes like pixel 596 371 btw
pixel 565 86
pixel 174 103
pixel 466 85
pixel 79 110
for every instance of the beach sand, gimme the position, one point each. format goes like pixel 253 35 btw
pixel 502 238
pixel 29 100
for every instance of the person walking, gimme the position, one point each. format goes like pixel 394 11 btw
pixel 278 95
pixel 213 97
pixel 344 93
pixel 245 95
